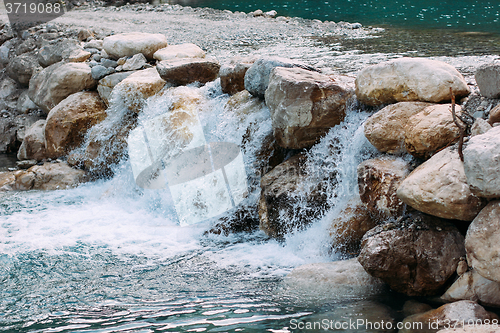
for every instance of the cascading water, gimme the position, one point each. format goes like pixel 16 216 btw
pixel 109 256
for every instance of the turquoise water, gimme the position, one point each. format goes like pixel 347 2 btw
pixel 462 15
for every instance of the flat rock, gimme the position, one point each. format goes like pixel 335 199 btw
pixel 56 82
pixel 481 157
pixel 187 50
pixel 386 128
pixel 482 242
pixel 304 105
pixel 33 146
pixel 49 176
pixel 439 187
pixel 129 44
pixel 416 255
pixel 68 122
pixel 488 80
pixel 409 79
pixel 472 286
pixel 188 70
pixel 431 130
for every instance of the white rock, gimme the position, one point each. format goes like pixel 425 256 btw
pixel 136 62
pixel 472 286
pixel 188 50
pixel 128 44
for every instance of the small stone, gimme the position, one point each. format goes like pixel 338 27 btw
pixel 136 62
pixel 99 71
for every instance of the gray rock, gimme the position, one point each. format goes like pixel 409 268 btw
pixel 33 146
pixel 27 46
pixel 488 80
pixel 57 50
pixel 109 63
pixel 22 67
pixel 24 103
pixel 99 71
pixel 107 84
pixel 415 255
pixel 257 76
pixel 480 126
pixel 8 137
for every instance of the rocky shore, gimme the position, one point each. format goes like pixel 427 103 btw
pixel 426 220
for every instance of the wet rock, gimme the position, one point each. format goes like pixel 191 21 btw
pixel 430 130
pixel 409 79
pixel 304 105
pixel 33 146
pixel 488 80
pixel 98 72
pixel 482 241
pixel 24 103
pixel 49 176
pixel 283 189
pixel 22 67
pixel 188 70
pixel 385 129
pixel 349 227
pixel 68 122
pixel 473 287
pixel 494 115
pixel 415 255
pixel 232 75
pixel 412 307
pixel 335 279
pixel 187 50
pixel 378 181
pixel 448 315
pixel 481 165
pixel 8 180
pixel 107 83
pixel 58 50
pixel 136 62
pixel 479 127
pixel 137 87
pixel 257 76
pixel 56 82
pixel 439 187
pixel 128 44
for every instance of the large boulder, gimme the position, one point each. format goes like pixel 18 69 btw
pixel 481 157
pixel 188 70
pixel 257 76
pixel 128 44
pixel 488 80
pixel 415 255
pixel 349 226
pixel 339 278
pixel 430 130
pixel 409 79
pixel 136 88
pixel 438 187
pixel 107 83
pixel 61 49
pixel 68 122
pixel 232 75
pixel 386 128
pixel 283 189
pixel 482 242
pixel 56 82
pixel 33 146
pixel 304 105
pixel 448 315
pixel 22 67
pixel 378 181
pixel 49 176
pixel 473 287
pixel 187 50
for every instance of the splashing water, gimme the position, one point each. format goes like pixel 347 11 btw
pixel 109 256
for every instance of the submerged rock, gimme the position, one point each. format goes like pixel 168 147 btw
pixel 409 79
pixel 482 242
pixel 431 130
pixel 439 187
pixel 56 82
pixel 378 181
pixel 386 128
pixel 304 105
pixel 68 122
pixel 416 255
pixel 33 146
pixel 481 157
pixel 188 70
pixel 128 44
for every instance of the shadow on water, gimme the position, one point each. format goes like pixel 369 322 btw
pixel 423 43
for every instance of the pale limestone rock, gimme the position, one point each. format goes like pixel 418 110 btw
pixel 187 50
pixel 473 287
pixel 33 146
pixel 128 44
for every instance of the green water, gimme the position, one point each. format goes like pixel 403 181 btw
pixel 462 15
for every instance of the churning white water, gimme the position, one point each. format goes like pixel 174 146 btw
pixel 109 256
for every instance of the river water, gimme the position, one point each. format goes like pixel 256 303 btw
pixel 110 257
